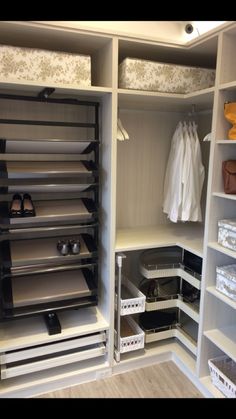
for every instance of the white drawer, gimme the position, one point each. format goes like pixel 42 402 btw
pixel 54 355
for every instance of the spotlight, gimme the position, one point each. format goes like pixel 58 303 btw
pixel 189 28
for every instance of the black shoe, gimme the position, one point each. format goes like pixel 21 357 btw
pixel 28 206
pixel 63 247
pixel 74 247
pixel 16 207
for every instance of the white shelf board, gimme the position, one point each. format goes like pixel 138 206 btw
pixel 175 102
pixel 214 392
pixel 224 195
pixel 212 290
pixel 190 237
pixel 226 142
pixel 156 352
pixel 225 339
pixel 29 87
pixel 222 249
pixel 228 86
pixel 33 331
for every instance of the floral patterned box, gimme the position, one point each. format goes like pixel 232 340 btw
pixel 227 233
pixel 159 77
pixel 226 280
pixel 48 67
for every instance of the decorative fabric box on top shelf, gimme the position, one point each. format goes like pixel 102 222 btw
pixel 227 233
pixel 226 280
pixel 161 77
pixel 19 64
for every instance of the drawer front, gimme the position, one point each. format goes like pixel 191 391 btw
pixel 61 353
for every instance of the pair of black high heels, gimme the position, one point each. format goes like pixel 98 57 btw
pixel 21 206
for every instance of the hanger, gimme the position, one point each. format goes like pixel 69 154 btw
pixel 123 130
pixel 122 134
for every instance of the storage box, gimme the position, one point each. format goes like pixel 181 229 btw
pixel 226 280
pixel 227 233
pixel 161 77
pixel 43 66
pixel 223 375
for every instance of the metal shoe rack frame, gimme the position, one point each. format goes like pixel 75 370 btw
pixel 9 233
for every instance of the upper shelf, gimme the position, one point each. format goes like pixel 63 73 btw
pixel 69 90
pixel 190 237
pixel 175 102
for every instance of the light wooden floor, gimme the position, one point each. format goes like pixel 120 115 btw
pixel 163 380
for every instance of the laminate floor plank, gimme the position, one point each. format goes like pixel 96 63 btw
pixel 163 380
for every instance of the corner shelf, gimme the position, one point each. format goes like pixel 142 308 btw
pixel 188 237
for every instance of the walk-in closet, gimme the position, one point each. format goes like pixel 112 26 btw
pixel 97 277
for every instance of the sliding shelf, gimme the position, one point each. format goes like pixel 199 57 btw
pixel 225 339
pixel 175 332
pixel 213 291
pixel 41 186
pixel 51 213
pixel 44 169
pixel 35 289
pixel 190 309
pixel 21 253
pixel 16 147
pixel 38 294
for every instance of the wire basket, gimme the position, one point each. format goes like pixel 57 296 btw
pixel 223 375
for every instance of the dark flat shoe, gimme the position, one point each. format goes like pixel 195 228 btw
pixel 16 206
pixel 28 206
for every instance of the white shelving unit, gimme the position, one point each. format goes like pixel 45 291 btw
pixel 217 325
pixel 131 200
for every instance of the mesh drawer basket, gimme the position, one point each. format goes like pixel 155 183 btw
pixel 132 300
pixel 223 375
pixel 135 340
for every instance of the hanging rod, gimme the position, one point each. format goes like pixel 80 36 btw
pixel 49 100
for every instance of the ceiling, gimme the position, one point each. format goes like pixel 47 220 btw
pixel 165 31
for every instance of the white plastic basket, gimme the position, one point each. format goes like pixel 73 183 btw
pixel 223 375
pixel 134 342
pixel 135 304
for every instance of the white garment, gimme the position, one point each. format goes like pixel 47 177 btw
pixel 184 176
pixel 173 176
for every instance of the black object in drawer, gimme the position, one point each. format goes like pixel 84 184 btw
pixel 160 288
pixel 192 262
pixel 151 320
